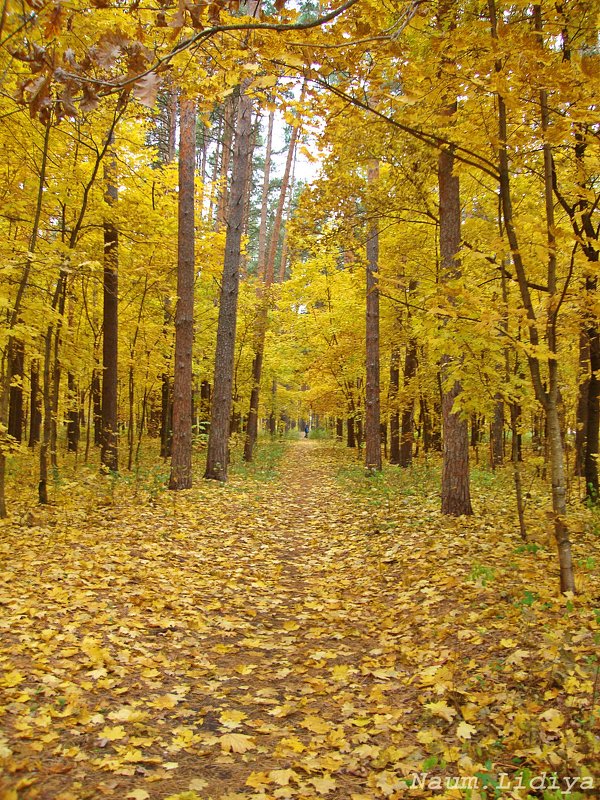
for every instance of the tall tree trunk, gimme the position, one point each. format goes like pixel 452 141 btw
pixel 582 404
pixel 592 443
pixel 181 460
pixel 73 416
pixel 497 433
pixel 16 358
pixel 262 318
pixel 109 453
pixel 264 204
pixel 218 439
pixel 407 434
pixel 548 398
pixel 395 412
pixel 456 497
pixel 372 398
pixel 35 411
pixel 229 109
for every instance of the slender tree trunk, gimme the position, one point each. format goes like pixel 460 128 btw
pixel 264 206
pixel 339 429
pixel 228 125
pixel 96 394
pixel 516 462
pixel 497 433
pixel 350 432
pixel 407 433
pixel 35 411
pixel 73 430
pixel 181 460
pixel 262 318
pixel 372 398
pixel 548 398
pixel 582 404
pixel 109 454
pixel 592 443
pixel 16 358
pixel 218 440
pixel 395 412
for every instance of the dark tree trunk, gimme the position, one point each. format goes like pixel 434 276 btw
pixel 394 413
pixel 582 404
pixel 497 434
pixel 181 459
pixel 372 399
pixel 73 416
pixel 109 454
pixel 16 355
pixel 35 408
pixel 218 440
pixel 456 498
pixel 339 429
pixel 96 392
pixel 166 416
pixel 407 434
pixel 351 435
pixel 593 405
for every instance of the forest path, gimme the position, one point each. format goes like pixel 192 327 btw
pixel 298 637
pixel 237 640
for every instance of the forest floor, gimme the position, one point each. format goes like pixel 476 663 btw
pixel 316 634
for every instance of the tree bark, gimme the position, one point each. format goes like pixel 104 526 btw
pixel 407 433
pixel 109 454
pixel 35 411
pixel 73 430
pixel 456 497
pixel 16 358
pixel 181 459
pixel 372 398
pixel 218 440
pixel 395 412
pixel 262 318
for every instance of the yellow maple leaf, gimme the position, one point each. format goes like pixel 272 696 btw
pixel 257 780
pixel 552 719
pixel 113 734
pixel 441 709
pixel 236 743
pixel 282 777
pixel 427 736
pixel 165 701
pixel 232 719
pixel 315 724
pixel 138 794
pixel 465 731
pixel 323 785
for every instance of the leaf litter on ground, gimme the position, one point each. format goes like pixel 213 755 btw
pixel 319 635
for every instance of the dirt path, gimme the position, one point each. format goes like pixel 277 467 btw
pixel 270 640
pixel 225 640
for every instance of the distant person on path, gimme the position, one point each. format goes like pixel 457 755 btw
pixel 306 430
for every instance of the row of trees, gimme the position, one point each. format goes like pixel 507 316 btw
pixel 456 210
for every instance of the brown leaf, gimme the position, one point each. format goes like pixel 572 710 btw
pixel 145 89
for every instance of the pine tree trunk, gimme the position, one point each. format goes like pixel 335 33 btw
pixel 218 440
pixel 372 399
pixel 456 498
pixel 181 459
